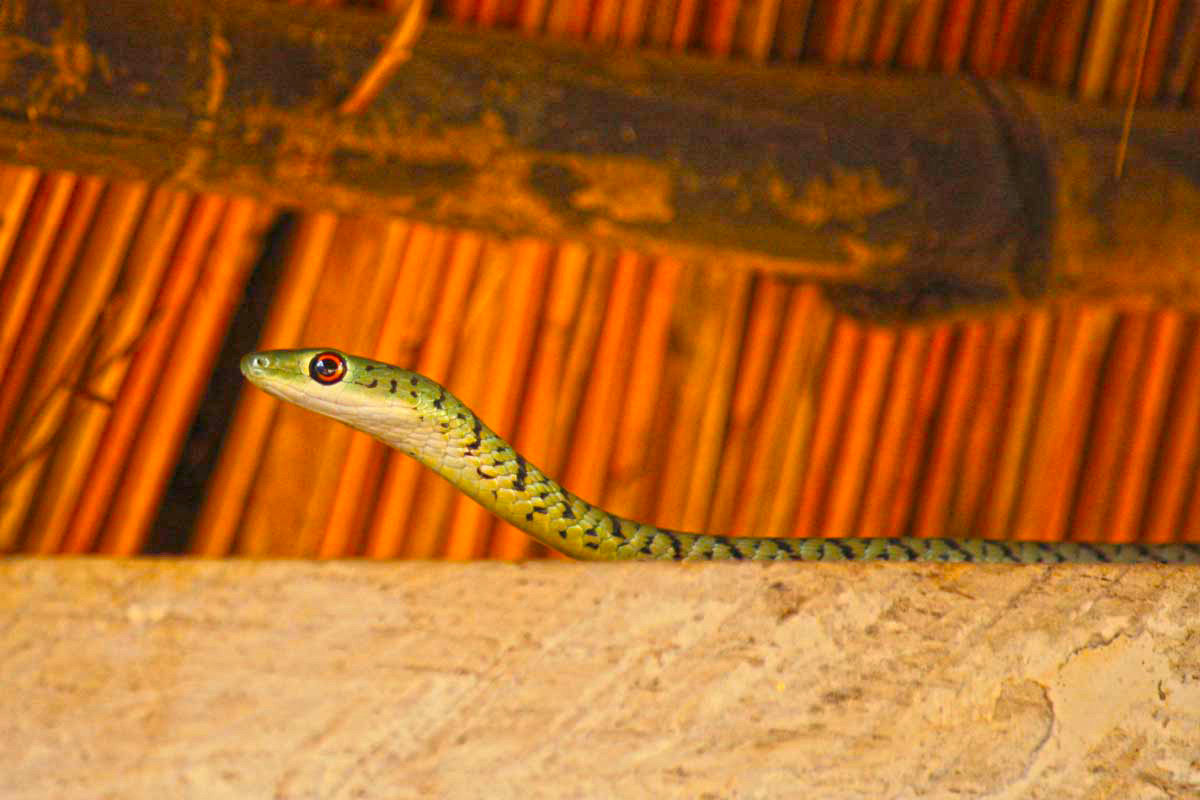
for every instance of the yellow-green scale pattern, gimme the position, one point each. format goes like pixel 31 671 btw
pixel 421 418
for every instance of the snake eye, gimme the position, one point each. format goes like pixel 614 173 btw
pixel 327 368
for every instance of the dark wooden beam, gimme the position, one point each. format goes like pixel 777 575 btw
pixel 905 195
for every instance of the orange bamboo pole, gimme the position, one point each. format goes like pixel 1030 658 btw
pixel 410 309
pixel 501 366
pixel 389 533
pixel 62 356
pixel 36 321
pixel 127 419
pixel 780 438
pixel 1107 442
pixel 237 465
pixel 17 185
pixel 917 51
pixel 986 27
pixel 879 494
pixel 632 29
pixel 216 295
pixel 861 432
pixel 116 339
pixel 863 25
pixel 1131 487
pixel 987 428
pixel 26 270
pixel 717 394
pixel 953 35
pixel 837 384
pixel 900 512
pixel 758 354
pixel 362 264
pixel 757 25
pixel 431 517
pixel 1177 459
pixel 943 462
pixel 1081 338
pixel 542 433
pixel 1161 34
pixel 632 481
pixel 592 443
pixel 1029 369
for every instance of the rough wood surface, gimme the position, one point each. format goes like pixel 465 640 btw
pixel 905 195
pixel 358 680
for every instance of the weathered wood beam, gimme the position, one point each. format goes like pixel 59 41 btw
pixel 152 679
pixel 905 195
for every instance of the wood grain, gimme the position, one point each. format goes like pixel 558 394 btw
pixel 355 680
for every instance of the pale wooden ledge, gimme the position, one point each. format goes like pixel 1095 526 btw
pixel 356 680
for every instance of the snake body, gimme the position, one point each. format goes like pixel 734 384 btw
pixel 419 417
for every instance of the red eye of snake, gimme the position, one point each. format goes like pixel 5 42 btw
pixel 327 368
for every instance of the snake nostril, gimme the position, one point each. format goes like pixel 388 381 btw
pixel 261 362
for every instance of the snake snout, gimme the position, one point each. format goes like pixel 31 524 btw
pixel 255 363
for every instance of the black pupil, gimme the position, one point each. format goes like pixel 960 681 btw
pixel 327 368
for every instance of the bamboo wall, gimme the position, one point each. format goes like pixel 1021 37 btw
pixel 694 397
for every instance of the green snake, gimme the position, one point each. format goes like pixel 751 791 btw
pixel 420 418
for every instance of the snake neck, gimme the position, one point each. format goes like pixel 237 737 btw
pixel 458 446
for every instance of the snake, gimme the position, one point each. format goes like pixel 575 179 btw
pixel 419 417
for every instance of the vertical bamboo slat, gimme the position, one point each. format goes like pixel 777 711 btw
pixel 955 29
pixel 62 357
pixel 1108 439
pixel 1156 52
pixel 386 536
pixel 45 301
pixel 879 493
pixel 542 431
pixel 431 518
pixel 631 480
pixel 1081 338
pixel 237 465
pixel 17 185
pixel 26 272
pixel 126 422
pixel 361 265
pixel 784 428
pixel 714 416
pixel 502 368
pixel 764 324
pixel 1100 48
pixel 916 438
pixel 1029 371
pixel 917 50
pixel 943 462
pixel 607 374
pixel 1174 476
pixel 756 28
pixel 1132 483
pixel 403 327
pixel 861 432
pixel 217 293
pixel 988 428
pixel 116 340
pixel 983 40
pixel 837 385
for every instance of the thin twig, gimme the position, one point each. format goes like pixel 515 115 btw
pixel 1135 89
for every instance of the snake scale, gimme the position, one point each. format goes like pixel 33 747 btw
pixel 417 416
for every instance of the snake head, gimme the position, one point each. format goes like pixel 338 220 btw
pixel 386 402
